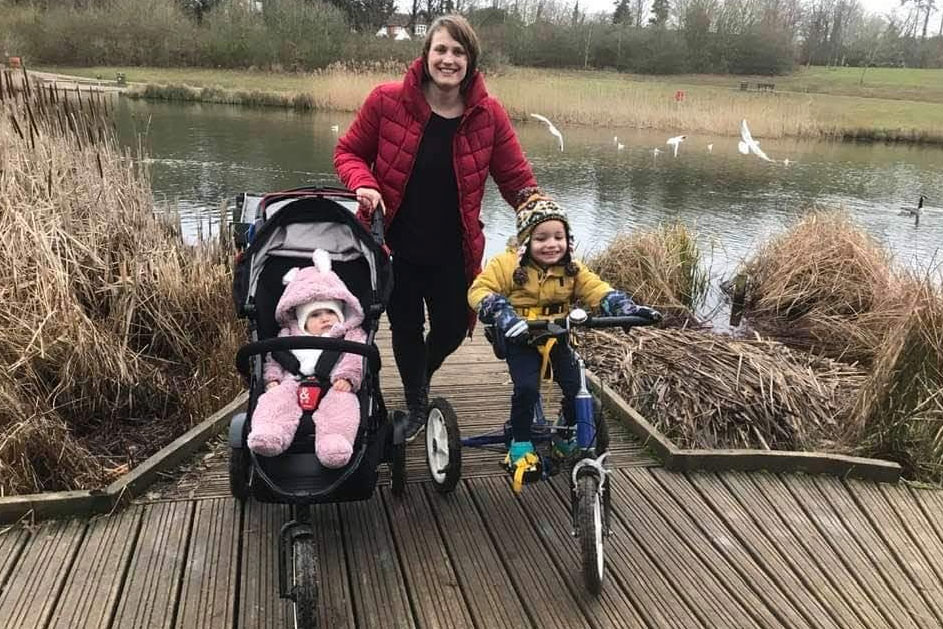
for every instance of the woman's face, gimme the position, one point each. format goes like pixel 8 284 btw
pixel 548 243
pixel 447 61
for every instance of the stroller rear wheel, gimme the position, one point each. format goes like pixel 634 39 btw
pixel 304 583
pixel 443 446
pixel 239 465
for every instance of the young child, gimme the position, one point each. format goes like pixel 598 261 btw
pixel 540 280
pixel 315 303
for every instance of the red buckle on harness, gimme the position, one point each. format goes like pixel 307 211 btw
pixel 309 394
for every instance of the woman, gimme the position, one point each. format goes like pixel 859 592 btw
pixel 425 147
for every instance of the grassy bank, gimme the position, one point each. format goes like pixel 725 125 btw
pixel 818 107
pixel 850 359
pixel 117 336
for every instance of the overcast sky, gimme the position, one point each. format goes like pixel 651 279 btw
pixel 594 6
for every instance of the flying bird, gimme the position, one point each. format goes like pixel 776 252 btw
pixel 553 130
pixel 786 162
pixel 748 145
pixel 710 148
pixel 675 142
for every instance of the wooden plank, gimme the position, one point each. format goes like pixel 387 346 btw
pixel 431 579
pixel 54 504
pixel 894 534
pixel 484 582
pixel 776 590
pixel 690 577
pixel 720 569
pixel 550 517
pixel 12 541
pixel 805 532
pixel 379 596
pixel 259 605
pixel 876 550
pixel 920 529
pixel 334 594
pixel 175 452
pixel 783 570
pixel 642 579
pixel 790 547
pixel 931 503
pixel 817 506
pixel 28 598
pixel 785 461
pixel 544 593
pixel 207 597
pixel 149 598
pixel 95 582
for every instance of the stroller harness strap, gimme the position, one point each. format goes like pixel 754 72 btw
pixel 313 388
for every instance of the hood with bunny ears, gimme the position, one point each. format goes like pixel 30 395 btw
pixel 317 283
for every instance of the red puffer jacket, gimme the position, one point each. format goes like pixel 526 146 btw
pixel 379 149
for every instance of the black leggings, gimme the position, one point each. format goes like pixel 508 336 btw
pixel 443 289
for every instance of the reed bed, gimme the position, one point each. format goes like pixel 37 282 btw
pixel 660 268
pixel 704 390
pixel 823 286
pixel 117 336
pixel 899 412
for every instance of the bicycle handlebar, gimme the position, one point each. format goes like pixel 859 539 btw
pixel 593 322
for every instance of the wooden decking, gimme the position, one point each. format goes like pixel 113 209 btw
pixel 689 550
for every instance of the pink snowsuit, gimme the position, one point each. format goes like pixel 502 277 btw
pixel 337 417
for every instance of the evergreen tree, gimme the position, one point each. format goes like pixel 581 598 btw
pixel 623 13
pixel 659 13
pixel 365 15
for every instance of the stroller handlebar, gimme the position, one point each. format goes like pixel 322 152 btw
pixel 305 342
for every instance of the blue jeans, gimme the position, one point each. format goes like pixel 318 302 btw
pixel 524 364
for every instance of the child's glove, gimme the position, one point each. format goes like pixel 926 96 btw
pixel 618 304
pixel 497 310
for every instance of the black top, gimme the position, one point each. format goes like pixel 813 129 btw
pixel 427 227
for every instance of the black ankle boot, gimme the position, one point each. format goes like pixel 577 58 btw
pixel 417 409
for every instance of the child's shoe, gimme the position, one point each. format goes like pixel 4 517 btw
pixel 563 442
pixel 523 463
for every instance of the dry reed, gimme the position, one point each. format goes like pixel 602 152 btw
pixel 899 412
pixel 704 390
pixel 117 336
pixel 661 268
pixel 823 286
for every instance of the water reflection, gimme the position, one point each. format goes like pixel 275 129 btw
pixel 201 154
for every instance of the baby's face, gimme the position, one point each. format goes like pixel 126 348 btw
pixel 320 321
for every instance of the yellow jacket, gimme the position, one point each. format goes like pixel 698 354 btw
pixel 548 287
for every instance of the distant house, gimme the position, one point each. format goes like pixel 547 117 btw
pixel 397 27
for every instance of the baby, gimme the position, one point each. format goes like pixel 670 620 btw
pixel 315 303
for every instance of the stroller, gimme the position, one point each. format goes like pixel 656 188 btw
pixel 289 226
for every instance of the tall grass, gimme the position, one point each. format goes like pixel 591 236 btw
pixel 899 413
pixel 824 286
pixel 661 268
pixel 116 335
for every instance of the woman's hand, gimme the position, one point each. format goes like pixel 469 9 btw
pixel 342 385
pixel 368 198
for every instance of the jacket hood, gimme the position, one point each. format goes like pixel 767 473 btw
pixel 316 283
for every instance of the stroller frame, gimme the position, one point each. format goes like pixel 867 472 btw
pixel 295 476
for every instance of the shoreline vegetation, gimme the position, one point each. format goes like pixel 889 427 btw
pixel 839 351
pixel 118 336
pixel 891 105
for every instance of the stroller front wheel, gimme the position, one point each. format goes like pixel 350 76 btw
pixel 304 586
pixel 443 446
